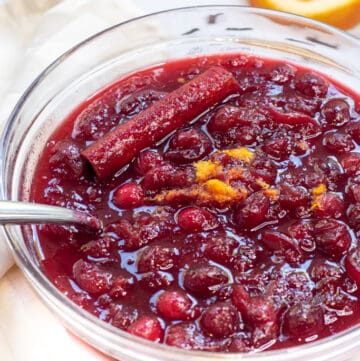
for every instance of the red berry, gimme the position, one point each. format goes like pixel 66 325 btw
pixel 351 163
pixel 195 219
pixel 253 211
pixel 174 305
pixel 292 196
pixel 91 278
pixel 354 130
pixel 321 269
pixel 219 248
pixel 338 142
pixel 99 248
pixel 353 215
pixel 122 317
pixel 129 195
pixel 265 169
pixel 229 117
pixel 353 189
pixel 121 286
pixel 240 298
pixel 329 205
pixel 304 320
pixel 336 112
pixel 204 280
pixel 157 258
pixel 312 85
pixel 166 176
pixel 188 146
pixel 148 328
pixel 282 73
pixel 66 159
pixel 352 264
pixel 260 311
pixel 220 320
pixel 148 160
pixel 332 237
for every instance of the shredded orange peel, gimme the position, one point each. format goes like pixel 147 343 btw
pixel 317 193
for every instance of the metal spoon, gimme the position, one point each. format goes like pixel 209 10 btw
pixel 25 213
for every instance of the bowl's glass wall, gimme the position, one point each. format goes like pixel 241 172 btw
pixel 122 49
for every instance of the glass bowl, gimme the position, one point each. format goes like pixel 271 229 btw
pixel 105 57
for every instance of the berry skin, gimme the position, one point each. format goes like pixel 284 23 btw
pixel 332 237
pixel 303 320
pixel 129 195
pixel 174 305
pixel 352 265
pixel 195 219
pixel 220 320
pixel 148 328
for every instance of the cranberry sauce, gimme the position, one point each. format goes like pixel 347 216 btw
pixel 237 232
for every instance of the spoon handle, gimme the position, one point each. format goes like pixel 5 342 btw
pixel 12 212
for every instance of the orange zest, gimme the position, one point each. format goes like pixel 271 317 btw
pixel 343 14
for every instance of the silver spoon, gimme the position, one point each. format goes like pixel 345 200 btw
pixel 24 213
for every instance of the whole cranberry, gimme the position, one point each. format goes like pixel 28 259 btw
pixel 351 163
pixel 129 195
pixel 204 280
pixel 321 269
pixel 303 232
pixel 174 305
pixel 148 328
pixel 167 176
pixel 354 130
pixel 157 258
pixel 219 248
pixel 276 241
pixel 260 311
pixel 122 316
pixel 353 189
pixel 195 219
pixel 220 320
pixel 336 112
pixel 352 264
pixel 303 320
pixel 188 146
pixel 253 210
pixel 121 285
pixel 332 237
pixel 292 196
pixel 264 168
pixel 156 280
pixel 312 85
pixel 338 142
pixel 329 205
pixel 239 344
pixel 240 298
pixel 147 160
pixel 91 278
pixel 66 159
pixel 99 248
pixel 353 215
pixel 229 117
pixel 282 73
pixel 277 147
pixel 185 336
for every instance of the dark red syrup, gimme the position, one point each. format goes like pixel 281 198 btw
pixel 237 232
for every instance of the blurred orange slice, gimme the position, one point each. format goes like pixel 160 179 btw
pixel 341 13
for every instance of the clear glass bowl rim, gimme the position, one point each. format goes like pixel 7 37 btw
pixel 41 283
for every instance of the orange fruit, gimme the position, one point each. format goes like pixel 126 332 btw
pixel 343 14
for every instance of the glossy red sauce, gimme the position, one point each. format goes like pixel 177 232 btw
pixel 236 232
